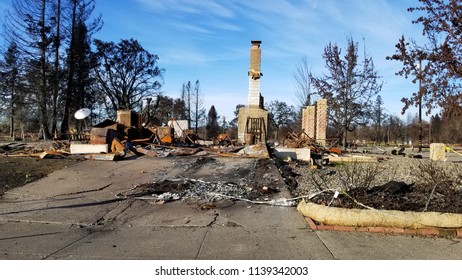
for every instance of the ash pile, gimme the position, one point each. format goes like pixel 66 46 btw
pixel 189 190
pixel 211 180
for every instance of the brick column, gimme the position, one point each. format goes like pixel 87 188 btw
pixel 309 121
pixel 321 121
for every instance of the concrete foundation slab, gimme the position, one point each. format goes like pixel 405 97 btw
pixel 89 148
pixel 293 153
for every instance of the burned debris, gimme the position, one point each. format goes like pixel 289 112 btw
pixel 304 165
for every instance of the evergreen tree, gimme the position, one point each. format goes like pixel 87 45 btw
pixel 281 115
pixel 212 127
pixel 28 24
pixel 198 101
pixel 378 117
pixel 10 83
pixel 80 60
pixel 126 73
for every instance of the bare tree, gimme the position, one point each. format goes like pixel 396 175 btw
pixel 436 65
pixel 348 87
pixel 187 91
pixel 183 98
pixel 302 77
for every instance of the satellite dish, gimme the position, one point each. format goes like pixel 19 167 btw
pixel 82 113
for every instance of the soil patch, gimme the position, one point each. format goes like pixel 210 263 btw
pixel 398 183
pixel 397 196
pixel 18 171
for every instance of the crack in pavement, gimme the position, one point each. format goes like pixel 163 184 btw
pixel 80 205
pixel 86 191
pixel 209 226
pixel 90 231
pixel 31 235
pixel 324 244
pixel 116 212
pixel 216 215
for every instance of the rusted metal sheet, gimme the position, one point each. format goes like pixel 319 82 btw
pixel 105 132
pixel 163 131
pixel 117 146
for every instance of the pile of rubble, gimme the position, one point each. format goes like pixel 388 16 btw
pixel 113 140
pixel 56 149
pixel 127 135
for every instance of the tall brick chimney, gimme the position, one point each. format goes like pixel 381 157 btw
pixel 253 119
pixel 254 96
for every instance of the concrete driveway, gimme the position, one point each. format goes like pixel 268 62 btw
pixel 74 214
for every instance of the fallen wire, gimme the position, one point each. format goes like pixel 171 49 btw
pixel 287 202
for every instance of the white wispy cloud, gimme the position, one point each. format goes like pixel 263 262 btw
pixel 205 33
pixel 187 27
pixel 183 56
pixel 214 8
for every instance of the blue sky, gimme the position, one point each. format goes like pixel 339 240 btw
pixel 209 40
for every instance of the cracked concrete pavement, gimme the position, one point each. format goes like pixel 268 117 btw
pixel 74 214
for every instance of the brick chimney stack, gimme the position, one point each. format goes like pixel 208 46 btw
pixel 254 96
